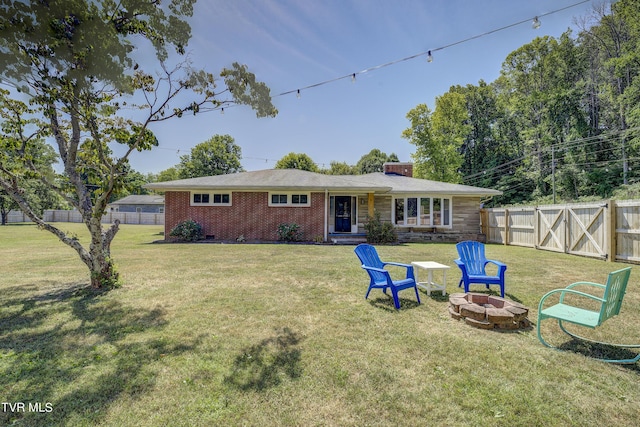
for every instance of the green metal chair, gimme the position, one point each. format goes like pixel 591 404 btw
pixel 609 306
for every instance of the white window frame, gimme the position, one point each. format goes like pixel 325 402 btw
pixel 289 203
pixel 405 223
pixel 211 195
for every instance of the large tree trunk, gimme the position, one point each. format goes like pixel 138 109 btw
pixel 98 258
pixel 101 266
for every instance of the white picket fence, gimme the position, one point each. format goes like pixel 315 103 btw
pixel 108 218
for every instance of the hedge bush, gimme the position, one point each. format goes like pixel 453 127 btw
pixel 289 232
pixel 378 231
pixel 188 231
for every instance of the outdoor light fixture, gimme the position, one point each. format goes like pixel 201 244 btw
pixel 298 94
pixel 536 23
pixel 429 57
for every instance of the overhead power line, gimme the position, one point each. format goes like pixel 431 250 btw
pixel 583 142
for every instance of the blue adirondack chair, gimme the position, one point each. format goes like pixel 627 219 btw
pixel 573 307
pixel 472 262
pixel 380 278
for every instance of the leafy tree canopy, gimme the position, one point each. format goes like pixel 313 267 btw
pixel 217 156
pixel 340 168
pixel 297 161
pixel 438 137
pixel 374 161
pixel 75 80
pixel 170 174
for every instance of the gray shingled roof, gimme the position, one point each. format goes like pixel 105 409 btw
pixel 268 179
pixel 403 184
pixel 294 179
pixel 140 200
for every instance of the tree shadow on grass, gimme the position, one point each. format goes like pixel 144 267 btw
pixel 68 352
pixel 386 303
pixel 435 295
pixel 262 366
pixel 602 352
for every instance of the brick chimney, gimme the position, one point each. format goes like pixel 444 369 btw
pixel 398 168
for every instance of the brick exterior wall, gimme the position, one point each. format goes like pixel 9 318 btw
pixel 250 216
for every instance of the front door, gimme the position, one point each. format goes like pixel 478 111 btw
pixel 343 214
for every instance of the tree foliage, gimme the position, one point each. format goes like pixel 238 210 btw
pixel 217 156
pixel 297 161
pixel 562 122
pixel 438 137
pixel 170 174
pixel 340 168
pixel 373 161
pixel 75 82
pixel 42 157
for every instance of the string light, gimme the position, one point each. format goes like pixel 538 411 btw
pixel 536 23
pixel 430 52
pixel 353 78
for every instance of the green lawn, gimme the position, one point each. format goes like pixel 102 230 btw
pixel 262 335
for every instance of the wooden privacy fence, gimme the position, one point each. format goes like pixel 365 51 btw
pixel 109 217
pixel 607 230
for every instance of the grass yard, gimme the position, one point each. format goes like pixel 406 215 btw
pixel 262 335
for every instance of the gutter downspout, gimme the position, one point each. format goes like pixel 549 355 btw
pixel 485 200
pixel 326 214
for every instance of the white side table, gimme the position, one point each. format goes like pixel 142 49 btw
pixel 430 266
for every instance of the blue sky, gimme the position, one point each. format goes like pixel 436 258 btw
pixel 291 44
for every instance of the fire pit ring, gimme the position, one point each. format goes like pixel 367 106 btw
pixel 488 312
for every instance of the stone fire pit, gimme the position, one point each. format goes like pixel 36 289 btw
pixel 488 312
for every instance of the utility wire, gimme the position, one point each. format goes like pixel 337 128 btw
pixel 603 138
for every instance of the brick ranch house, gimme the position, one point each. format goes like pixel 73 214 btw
pixel 326 207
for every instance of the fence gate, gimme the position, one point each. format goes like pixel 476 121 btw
pixel 573 229
pixel 587 230
pixel 551 235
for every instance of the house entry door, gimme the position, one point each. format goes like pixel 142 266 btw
pixel 343 214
